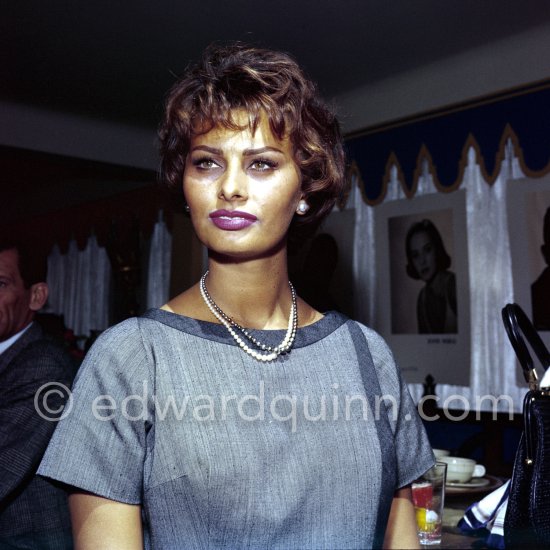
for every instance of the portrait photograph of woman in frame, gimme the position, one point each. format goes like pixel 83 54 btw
pixel 399 302
pixel 423 288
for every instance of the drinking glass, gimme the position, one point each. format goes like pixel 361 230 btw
pixel 428 493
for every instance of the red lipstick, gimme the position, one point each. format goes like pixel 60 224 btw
pixel 232 220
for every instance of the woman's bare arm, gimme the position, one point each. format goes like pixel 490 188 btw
pixel 401 530
pixel 102 523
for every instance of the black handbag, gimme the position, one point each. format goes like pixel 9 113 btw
pixel 527 520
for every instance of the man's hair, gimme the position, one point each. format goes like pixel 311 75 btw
pixel 442 259
pixel 32 264
pixel 258 81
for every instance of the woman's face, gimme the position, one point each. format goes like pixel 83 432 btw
pixel 242 189
pixel 422 252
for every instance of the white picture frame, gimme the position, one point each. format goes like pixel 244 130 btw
pixel 443 353
pixel 528 200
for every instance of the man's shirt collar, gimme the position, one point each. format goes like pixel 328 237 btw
pixel 12 339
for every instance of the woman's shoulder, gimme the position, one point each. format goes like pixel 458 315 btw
pixel 124 331
pixel 386 368
pixel 448 276
pixel 445 277
pixel 378 346
pixel 122 342
pixel 370 334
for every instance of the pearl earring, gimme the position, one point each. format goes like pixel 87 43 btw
pixel 187 208
pixel 303 207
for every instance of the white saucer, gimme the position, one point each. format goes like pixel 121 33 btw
pixel 473 483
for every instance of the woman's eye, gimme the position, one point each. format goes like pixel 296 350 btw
pixel 204 163
pixel 262 165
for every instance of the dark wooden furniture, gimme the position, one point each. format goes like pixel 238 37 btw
pixel 489 438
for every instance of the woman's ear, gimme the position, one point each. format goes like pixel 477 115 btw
pixel 39 296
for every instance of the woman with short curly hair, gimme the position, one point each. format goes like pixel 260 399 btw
pixel 237 415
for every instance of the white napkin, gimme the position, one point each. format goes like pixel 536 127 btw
pixel 545 382
pixel 488 514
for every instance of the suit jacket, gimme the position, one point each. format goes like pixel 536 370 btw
pixel 33 512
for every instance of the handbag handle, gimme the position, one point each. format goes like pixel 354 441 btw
pixel 516 323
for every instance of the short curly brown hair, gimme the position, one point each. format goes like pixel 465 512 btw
pixel 260 81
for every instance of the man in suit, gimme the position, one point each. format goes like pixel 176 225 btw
pixel 33 512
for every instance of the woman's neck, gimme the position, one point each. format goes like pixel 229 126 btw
pixel 255 293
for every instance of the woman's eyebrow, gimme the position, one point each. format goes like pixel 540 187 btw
pixel 246 152
pixel 260 150
pixel 208 149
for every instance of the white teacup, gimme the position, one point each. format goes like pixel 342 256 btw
pixel 461 470
pixel 441 452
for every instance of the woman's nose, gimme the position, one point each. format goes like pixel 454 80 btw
pixel 233 184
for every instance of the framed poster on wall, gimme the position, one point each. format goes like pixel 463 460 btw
pixel 528 209
pixel 423 303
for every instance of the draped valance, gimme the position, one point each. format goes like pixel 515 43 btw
pixel 442 138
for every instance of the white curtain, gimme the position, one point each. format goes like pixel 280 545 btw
pixel 364 265
pixel 79 284
pixel 80 281
pixel 364 249
pixel 158 271
pixel 493 365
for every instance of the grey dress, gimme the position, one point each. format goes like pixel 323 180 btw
pixel 223 451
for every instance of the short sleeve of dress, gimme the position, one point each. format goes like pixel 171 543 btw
pixel 413 450
pixel 101 443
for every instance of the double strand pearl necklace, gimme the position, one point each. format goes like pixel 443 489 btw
pixel 231 325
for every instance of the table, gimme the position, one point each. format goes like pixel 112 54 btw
pixel 458 540
pixel 456 503
pixel 452 537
